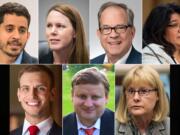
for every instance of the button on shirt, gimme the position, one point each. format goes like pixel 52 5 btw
pixel 44 127
pixel 122 60
pixel 81 127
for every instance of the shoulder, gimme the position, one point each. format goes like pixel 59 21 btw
pixel 122 128
pixel 135 57
pixel 26 58
pixel 17 131
pixel 98 60
pixel 46 57
pixel 56 129
pixel 155 54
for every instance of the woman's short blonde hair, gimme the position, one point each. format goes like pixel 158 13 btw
pixel 143 74
pixel 79 52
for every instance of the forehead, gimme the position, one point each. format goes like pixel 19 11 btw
pixel 34 76
pixel 175 17
pixel 13 19
pixel 114 15
pixel 55 16
pixel 89 89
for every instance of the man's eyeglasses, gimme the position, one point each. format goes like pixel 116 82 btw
pixel 141 92
pixel 118 29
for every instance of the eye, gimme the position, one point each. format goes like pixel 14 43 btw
pixel 42 88
pixel 83 97
pixel 24 89
pixel 22 30
pixel 9 29
pixel 131 91
pixel 95 97
pixel 49 25
pixel 143 91
pixel 60 26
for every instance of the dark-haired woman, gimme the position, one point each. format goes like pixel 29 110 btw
pixel 161 35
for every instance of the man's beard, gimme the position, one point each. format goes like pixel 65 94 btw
pixel 12 52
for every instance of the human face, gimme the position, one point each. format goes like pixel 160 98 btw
pixel 35 94
pixel 115 44
pixel 59 31
pixel 89 102
pixel 172 32
pixel 141 105
pixel 13 34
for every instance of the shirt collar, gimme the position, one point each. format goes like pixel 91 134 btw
pixel 96 125
pixel 121 60
pixel 43 126
pixel 19 58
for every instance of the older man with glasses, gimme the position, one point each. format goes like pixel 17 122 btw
pixel 116 32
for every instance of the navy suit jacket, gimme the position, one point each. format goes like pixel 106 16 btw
pixel 134 58
pixel 27 59
pixel 55 130
pixel 106 127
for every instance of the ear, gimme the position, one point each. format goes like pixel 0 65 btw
pixel 98 33
pixel 107 98
pixel 52 94
pixel 18 95
pixel 72 95
pixel 28 35
pixel 133 30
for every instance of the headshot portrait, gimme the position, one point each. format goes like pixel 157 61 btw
pixel 115 32
pixel 66 40
pixel 161 35
pixel 18 32
pixel 143 104
pixel 88 99
pixel 35 99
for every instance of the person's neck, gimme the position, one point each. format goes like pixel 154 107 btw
pixel 60 57
pixel 176 56
pixel 142 123
pixel 6 59
pixel 113 58
pixel 33 120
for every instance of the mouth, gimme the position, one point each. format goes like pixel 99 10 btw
pixel 54 41
pixel 33 104
pixel 114 43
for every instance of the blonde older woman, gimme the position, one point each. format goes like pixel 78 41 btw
pixel 143 106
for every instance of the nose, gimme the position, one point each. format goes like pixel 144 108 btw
pixel 88 102
pixel 32 92
pixel 54 30
pixel 136 97
pixel 16 34
pixel 113 34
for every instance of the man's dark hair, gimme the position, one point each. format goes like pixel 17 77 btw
pixel 38 68
pixel 14 8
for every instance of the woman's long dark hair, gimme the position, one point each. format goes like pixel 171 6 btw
pixel 156 24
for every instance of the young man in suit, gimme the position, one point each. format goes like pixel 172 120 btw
pixel 14 24
pixel 90 90
pixel 36 94
pixel 116 32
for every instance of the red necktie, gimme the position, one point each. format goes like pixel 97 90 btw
pixel 33 130
pixel 89 131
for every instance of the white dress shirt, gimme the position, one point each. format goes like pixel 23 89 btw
pixel 19 59
pixel 96 125
pixel 44 126
pixel 121 60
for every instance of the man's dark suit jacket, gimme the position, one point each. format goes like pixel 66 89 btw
pixel 27 59
pixel 134 58
pixel 106 127
pixel 55 130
